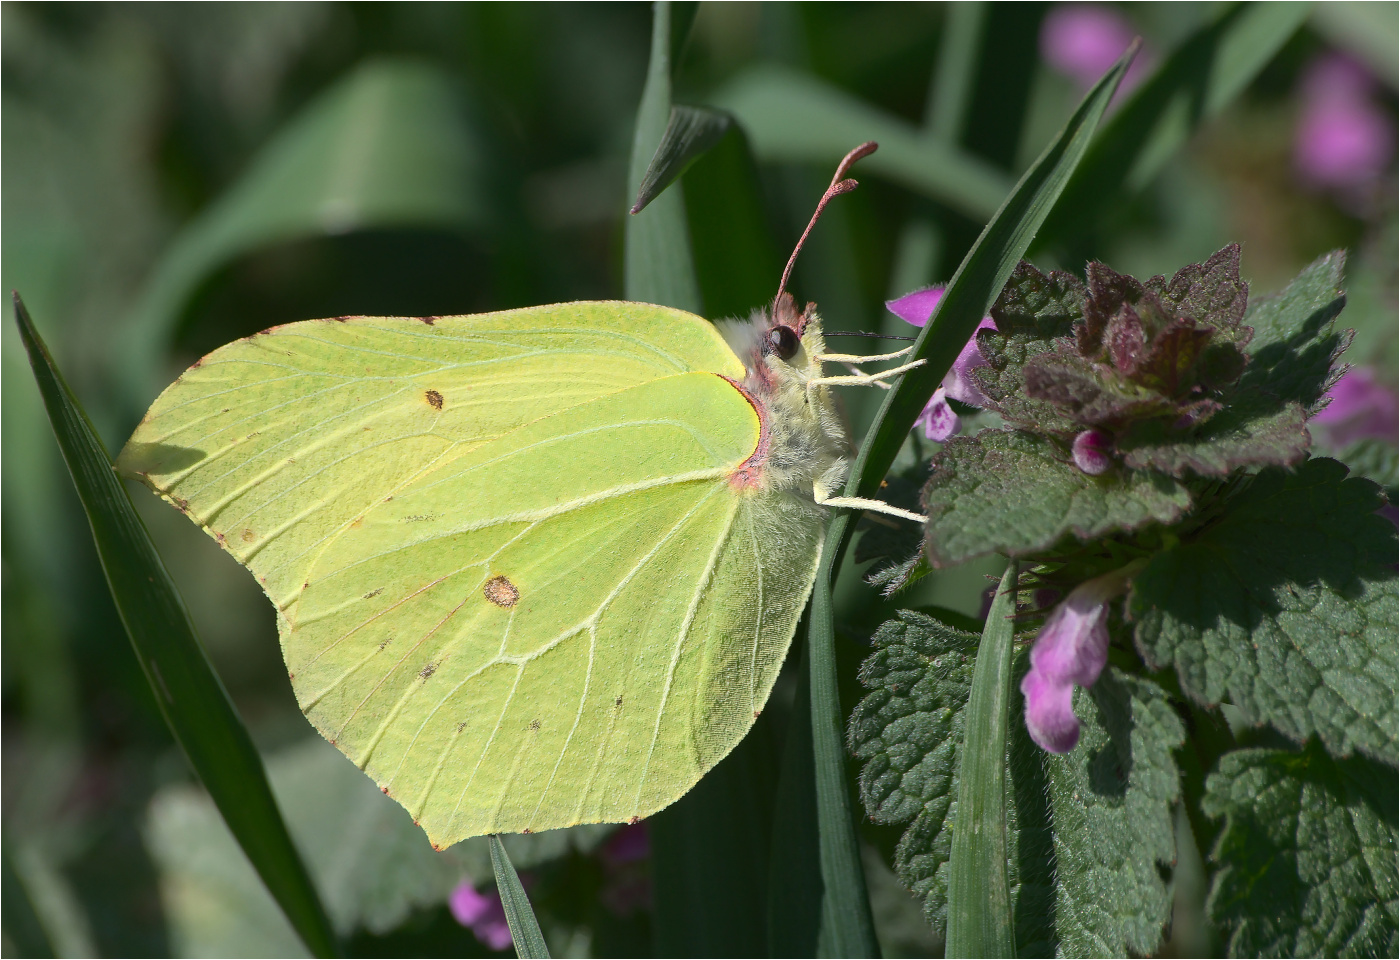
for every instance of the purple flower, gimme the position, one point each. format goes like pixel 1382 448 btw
pixel 1082 41
pixel 626 870
pixel 1343 138
pixel 938 418
pixel 1091 452
pixel 1071 650
pixel 1360 408
pixel 482 913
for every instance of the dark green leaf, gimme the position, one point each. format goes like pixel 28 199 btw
pixel 1307 856
pixel 1006 491
pixel 1111 800
pixel 690 132
pixel 979 900
pixel 1286 608
pixel 524 928
pixel 187 690
pixel 794 117
pixel 1089 833
pixel 658 266
pixel 386 147
pixel 736 260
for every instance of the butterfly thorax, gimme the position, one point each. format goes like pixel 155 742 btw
pixel 805 443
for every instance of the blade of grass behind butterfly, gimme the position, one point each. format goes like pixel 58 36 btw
pixel 980 922
pixel 709 849
pixel 524 928
pixel 975 285
pixel 188 692
pixel 1197 80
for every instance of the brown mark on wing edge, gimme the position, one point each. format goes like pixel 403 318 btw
pixel 434 399
pixel 501 592
pixel 749 474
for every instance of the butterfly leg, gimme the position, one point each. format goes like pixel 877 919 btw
pixel 863 379
pixel 860 357
pixel 861 503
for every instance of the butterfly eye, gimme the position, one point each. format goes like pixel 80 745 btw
pixel 782 342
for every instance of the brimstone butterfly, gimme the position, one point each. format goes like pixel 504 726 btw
pixel 531 568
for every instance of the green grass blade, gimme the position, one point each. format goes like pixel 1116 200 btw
pixel 848 928
pixel 524 928
pixel 187 690
pixel 1200 78
pixel 690 132
pixel 979 279
pixel 658 264
pixel 980 923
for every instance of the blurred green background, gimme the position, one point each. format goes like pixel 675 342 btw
pixel 179 175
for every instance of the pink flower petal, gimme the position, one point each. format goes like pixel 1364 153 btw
pixel 916 307
pixel 467 905
pixel 938 419
pixel 959 382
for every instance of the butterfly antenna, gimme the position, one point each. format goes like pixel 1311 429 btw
pixel 838 187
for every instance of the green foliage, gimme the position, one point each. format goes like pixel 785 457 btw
pixel 1307 856
pixel 188 692
pixel 524 928
pixel 1013 492
pixel 1285 607
pixel 1089 833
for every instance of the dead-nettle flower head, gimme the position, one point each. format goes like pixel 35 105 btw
pixel 938 418
pixel 1070 651
pixel 1157 350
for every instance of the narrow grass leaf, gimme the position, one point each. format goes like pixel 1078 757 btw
pixel 658 266
pixel 524 928
pixel 188 692
pixel 690 132
pixel 980 923
pixel 978 280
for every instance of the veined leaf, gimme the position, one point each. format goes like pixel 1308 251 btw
pixel 188 692
pixel 1285 606
pixel 1307 855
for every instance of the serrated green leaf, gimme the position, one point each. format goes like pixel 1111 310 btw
pixel 1032 311
pixel 1112 799
pixel 1006 491
pixel 1088 832
pixel 1296 343
pixel 1286 608
pixel 187 691
pixel 1307 855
